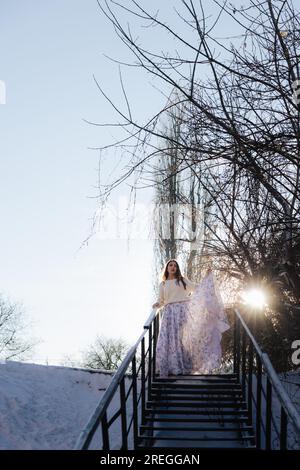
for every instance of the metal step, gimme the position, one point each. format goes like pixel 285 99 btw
pixel 210 432
pixel 198 404
pixel 171 443
pixel 161 419
pixel 217 381
pixel 195 412
pixel 204 391
pixel 213 446
pixel 198 439
pixel 184 386
pixel 193 398
pixel 198 376
pixel 144 427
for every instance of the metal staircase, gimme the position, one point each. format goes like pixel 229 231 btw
pixel 196 411
pixel 246 408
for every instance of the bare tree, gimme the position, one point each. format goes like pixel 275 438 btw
pixel 14 329
pixel 239 136
pixel 181 204
pixel 105 353
pixel 242 120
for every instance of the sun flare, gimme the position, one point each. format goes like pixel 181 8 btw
pixel 254 297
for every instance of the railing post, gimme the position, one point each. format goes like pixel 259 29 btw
pixel 283 429
pixel 155 334
pixel 134 403
pixel 258 402
pixel 123 415
pixel 238 345
pixel 143 382
pixel 149 361
pixel 250 372
pixel 234 342
pixel 244 363
pixel 268 414
pixel 105 436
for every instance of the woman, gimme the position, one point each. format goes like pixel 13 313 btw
pixel 193 320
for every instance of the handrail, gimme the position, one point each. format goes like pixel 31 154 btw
pixel 151 318
pixel 87 433
pixel 250 335
pixel 282 395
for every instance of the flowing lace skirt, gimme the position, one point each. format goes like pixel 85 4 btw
pixel 189 340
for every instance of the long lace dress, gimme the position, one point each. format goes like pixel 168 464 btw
pixel 190 335
pixel 202 332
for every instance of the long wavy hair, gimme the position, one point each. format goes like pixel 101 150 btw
pixel 179 277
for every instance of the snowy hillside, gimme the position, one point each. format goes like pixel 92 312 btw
pixel 46 407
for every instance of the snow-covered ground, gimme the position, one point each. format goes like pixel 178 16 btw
pixel 46 407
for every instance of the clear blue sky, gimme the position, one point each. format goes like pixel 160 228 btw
pixel 49 52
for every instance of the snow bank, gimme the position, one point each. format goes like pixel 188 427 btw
pixel 46 407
